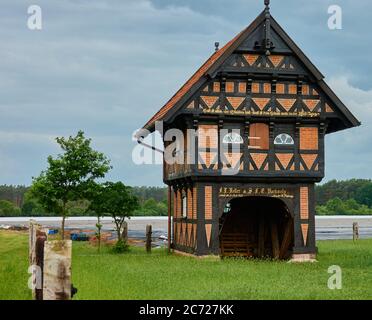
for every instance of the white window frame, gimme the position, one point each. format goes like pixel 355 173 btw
pixel 284 143
pixel 232 138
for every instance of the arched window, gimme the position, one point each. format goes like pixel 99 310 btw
pixel 233 138
pixel 284 139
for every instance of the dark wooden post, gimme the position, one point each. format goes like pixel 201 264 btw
pixel 355 231
pixel 41 237
pixel 37 237
pixel 169 218
pixel 148 237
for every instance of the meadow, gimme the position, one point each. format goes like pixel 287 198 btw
pixel 159 275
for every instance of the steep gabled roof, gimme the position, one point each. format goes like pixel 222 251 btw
pixel 214 60
pixel 210 67
pixel 189 83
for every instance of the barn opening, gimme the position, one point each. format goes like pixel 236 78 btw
pixel 257 227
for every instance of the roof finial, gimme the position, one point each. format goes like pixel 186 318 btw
pixel 267 28
pixel 216 46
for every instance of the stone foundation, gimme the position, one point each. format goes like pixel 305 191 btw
pixel 303 257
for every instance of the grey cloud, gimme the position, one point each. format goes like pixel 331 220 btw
pixel 105 66
pixel 348 152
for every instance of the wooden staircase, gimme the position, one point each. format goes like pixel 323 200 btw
pixel 236 245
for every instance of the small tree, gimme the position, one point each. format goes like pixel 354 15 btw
pixel 69 175
pixel 117 200
pixel 94 195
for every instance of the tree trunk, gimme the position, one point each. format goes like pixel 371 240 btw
pixel 63 221
pixel 124 234
pixel 63 227
pixel 99 233
pixel 118 227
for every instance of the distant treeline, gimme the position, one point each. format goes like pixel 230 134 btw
pixel 348 197
pixel 14 194
pixel 146 193
pixel 334 197
pixel 16 201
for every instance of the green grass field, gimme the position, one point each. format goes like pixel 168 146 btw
pixel 137 275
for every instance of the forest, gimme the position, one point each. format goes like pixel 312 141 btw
pixel 347 197
pixel 18 201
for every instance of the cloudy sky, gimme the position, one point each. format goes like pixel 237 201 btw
pixel 105 66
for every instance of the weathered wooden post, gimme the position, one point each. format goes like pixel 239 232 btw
pixel 31 241
pixel 148 237
pixel 57 270
pixel 355 231
pixel 37 237
pixel 41 237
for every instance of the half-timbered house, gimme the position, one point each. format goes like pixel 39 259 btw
pixel 258 111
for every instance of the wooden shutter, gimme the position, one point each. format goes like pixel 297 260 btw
pixel 261 131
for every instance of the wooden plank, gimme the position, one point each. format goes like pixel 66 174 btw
pixel 261 238
pixel 236 245
pixel 286 242
pixel 275 240
pixel 57 270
